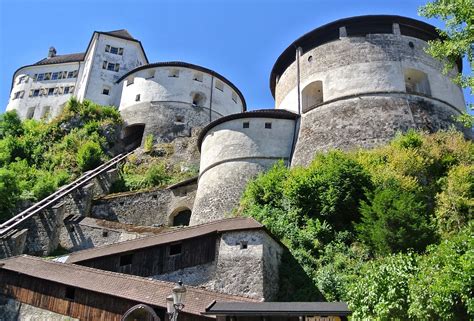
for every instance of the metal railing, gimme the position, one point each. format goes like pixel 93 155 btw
pixel 63 191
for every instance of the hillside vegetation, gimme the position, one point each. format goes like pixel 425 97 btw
pixel 389 230
pixel 36 157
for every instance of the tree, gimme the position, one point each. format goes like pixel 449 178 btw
pixel 457 38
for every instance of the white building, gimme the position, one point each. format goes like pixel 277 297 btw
pixel 41 90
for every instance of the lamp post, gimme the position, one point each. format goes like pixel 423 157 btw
pixel 175 302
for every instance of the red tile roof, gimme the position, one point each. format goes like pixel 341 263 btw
pixel 129 287
pixel 226 225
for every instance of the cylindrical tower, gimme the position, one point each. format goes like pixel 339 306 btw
pixel 234 149
pixel 167 99
pixel 357 81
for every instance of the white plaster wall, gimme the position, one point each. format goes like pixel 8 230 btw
pixel 229 140
pixel 56 102
pixel 95 78
pixel 357 65
pixel 162 87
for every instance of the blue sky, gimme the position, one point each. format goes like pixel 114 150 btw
pixel 239 39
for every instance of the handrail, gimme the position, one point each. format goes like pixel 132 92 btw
pixel 63 191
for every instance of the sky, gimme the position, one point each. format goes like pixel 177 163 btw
pixel 239 39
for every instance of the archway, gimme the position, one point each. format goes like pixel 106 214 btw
pixel 140 312
pixel 180 217
pixel 312 95
pixel 133 135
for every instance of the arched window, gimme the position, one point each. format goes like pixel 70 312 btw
pixel 312 95
pixel 198 99
pixel 181 217
pixel 417 82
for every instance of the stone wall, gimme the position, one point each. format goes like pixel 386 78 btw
pixel 150 208
pixel 13 310
pixel 247 264
pixel 367 121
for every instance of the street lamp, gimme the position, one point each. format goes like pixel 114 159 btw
pixel 175 302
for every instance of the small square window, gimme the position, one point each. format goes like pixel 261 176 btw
pixel 246 125
pixel 243 245
pixel 105 91
pixel 130 81
pixel 179 119
pixel 175 249
pixel 36 93
pixel 66 90
pixel 70 74
pixel 137 97
pixel 70 293
pixel 219 85
pixel 174 73
pixel 268 125
pixel 114 50
pixel 55 76
pixel 40 77
pixel 126 259
pixel 105 233
pixel 198 77
pixel 50 91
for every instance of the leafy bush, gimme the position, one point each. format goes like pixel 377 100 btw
pixel 89 156
pixel 9 193
pixel 148 145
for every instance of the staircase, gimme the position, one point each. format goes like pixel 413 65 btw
pixel 7 228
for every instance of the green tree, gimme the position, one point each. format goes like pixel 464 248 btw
pixel 9 193
pixel 457 38
pixel 10 125
pixel 89 156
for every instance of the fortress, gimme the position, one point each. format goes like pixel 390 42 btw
pixel 352 83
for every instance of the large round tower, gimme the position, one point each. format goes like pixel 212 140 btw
pixel 357 81
pixel 167 99
pixel 234 149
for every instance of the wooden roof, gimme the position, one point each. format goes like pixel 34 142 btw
pixel 226 225
pixel 151 292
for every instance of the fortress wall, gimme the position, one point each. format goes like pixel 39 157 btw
pixel 367 121
pixel 231 156
pixel 374 63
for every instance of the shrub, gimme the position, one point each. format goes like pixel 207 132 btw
pixel 148 145
pixel 9 193
pixel 156 175
pixel 89 156
pixel 394 220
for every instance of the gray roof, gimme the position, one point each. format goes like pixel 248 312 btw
pixel 278 308
pixel 179 234
pixel 60 59
pixel 130 287
pixel 121 33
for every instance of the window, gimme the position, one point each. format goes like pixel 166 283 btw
pixel 22 79
pixel 47 76
pixel 54 75
pixel 75 73
pixel 173 73
pixel 198 77
pixel 30 113
pixel 416 82
pixel 312 95
pixel 105 233
pixel 246 124
pixel 268 125
pixel 137 97
pixel 243 245
pixel 66 90
pixel 70 293
pixel 105 91
pixel 175 249
pixel 150 74
pixel 110 66
pixel 35 93
pixel 219 85
pixel 46 111
pixel 71 89
pixel 126 259
pixel 130 80
pixel 70 74
pixel 50 91
pixel 40 77
pixel 19 94
pixel 198 99
pixel 179 119
pixel 234 97
pixel 114 50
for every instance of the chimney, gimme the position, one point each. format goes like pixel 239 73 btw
pixel 51 52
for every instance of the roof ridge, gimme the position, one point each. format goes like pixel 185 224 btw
pixel 180 229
